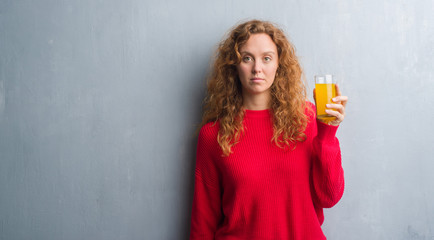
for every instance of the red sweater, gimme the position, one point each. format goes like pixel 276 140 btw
pixel 261 191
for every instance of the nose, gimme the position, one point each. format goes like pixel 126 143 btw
pixel 257 67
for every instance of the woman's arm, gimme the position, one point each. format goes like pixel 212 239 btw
pixel 327 172
pixel 206 211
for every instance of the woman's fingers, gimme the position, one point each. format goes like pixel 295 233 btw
pixel 337 110
pixel 338 90
pixel 338 107
pixel 339 98
pixel 339 117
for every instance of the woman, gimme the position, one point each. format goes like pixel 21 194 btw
pixel 265 166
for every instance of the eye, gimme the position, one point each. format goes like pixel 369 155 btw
pixel 247 59
pixel 267 59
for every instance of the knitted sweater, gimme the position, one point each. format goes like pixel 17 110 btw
pixel 261 191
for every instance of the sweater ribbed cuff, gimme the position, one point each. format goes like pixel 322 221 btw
pixel 326 132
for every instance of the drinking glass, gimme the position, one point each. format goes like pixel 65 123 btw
pixel 325 86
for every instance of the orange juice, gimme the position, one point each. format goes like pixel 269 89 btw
pixel 324 94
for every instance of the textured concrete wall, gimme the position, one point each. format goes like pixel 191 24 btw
pixel 99 101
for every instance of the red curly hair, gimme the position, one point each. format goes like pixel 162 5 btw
pixel 224 101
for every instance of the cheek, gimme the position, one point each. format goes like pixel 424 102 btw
pixel 242 71
pixel 272 70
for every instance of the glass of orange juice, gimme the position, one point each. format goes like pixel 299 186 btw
pixel 325 86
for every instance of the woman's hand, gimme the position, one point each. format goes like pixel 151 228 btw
pixel 338 106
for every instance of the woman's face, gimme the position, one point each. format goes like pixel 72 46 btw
pixel 259 62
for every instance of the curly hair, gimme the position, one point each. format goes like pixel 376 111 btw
pixel 224 101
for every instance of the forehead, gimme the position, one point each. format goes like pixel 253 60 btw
pixel 258 43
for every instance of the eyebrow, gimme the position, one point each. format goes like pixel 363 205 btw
pixel 268 52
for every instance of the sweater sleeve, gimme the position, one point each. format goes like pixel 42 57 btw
pixel 327 172
pixel 206 210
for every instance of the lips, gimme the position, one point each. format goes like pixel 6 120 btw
pixel 257 79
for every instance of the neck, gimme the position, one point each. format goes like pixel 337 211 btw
pixel 256 101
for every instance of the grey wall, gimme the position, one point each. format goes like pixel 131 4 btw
pixel 99 101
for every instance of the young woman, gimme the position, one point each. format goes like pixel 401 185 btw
pixel 265 166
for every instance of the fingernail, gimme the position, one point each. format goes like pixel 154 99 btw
pixel 328 105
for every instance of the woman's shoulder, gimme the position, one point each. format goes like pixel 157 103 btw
pixel 207 138
pixel 209 130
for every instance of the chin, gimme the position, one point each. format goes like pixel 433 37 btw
pixel 258 91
